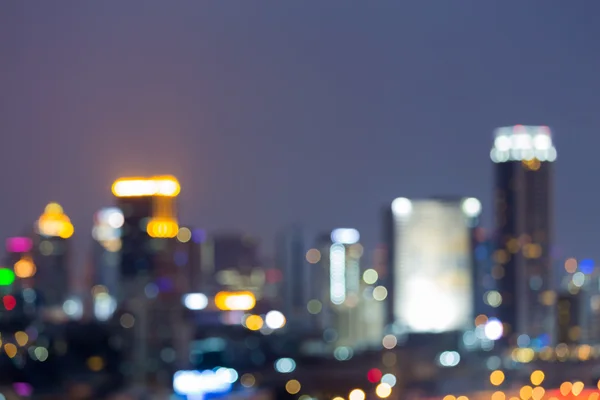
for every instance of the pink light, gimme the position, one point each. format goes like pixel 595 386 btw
pixel 18 245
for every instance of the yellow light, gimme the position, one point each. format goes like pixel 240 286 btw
pixel 462 398
pixel 538 393
pixel 537 377
pixel 54 223
pixel 383 390
pixel 162 228
pixel 356 394
pixel 166 186
pixel 565 388
pixel 338 398
pixel 449 397
pixel 95 363
pixel 248 380
pixel 235 301
pixel 53 208
pixel 25 268
pixel 22 338
pixel 577 388
pixel 10 350
pixel 526 392
pixel 254 322
pixel 293 386
pixel 497 377
pixel 598 385
pixel 184 235
pixel 498 396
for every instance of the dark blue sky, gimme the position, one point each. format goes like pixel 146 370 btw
pixel 271 111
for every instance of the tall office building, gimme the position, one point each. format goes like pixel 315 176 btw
pixel 430 251
pixel 523 195
pixel 297 280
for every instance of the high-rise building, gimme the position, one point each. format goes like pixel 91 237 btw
pixel 431 263
pixel 523 196
pixel 568 318
pixel 487 298
pixel 51 255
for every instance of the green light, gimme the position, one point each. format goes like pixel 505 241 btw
pixel 7 277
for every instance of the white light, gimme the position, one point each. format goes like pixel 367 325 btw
pixel 502 143
pixel 578 279
pixel 285 365
pixel 115 218
pixel 471 207
pixel 449 359
pixel 200 383
pixel 337 272
pixel 104 306
pixel 493 329
pixel 228 375
pixel 73 308
pixel 520 143
pixel 275 320
pixel 345 236
pixel 195 301
pixel 401 206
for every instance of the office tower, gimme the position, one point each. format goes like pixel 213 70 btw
pixel 523 195
pixel 51 254
pixel 568 318
pixel 235 260
pixel 431 263
pixel 297 280
pixel 487 297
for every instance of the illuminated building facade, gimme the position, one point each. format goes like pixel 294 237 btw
pixel 51 254
pixel 431 263
pixel 523 159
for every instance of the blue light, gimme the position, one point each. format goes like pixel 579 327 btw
pixel 586 266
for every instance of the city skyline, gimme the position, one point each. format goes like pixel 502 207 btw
pixel 196 113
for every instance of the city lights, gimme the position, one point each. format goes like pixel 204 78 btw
pixel 523 143
pixel 195 301
pixel 166 186
pixel 275 320
pixel 7 277
pixel 235 301
pixel 54 222
pixel 162 228
pixel 19 244
pixel 25 268
pixel 345 236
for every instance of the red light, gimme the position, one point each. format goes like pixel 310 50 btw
pixel 374 375
pixel 9 302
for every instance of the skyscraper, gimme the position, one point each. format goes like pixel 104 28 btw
pixel 431 263
pixel 523 197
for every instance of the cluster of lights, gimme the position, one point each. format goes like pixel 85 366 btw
pixel 54 222
pixel 235 301
pixel 162 227
pixel 165 186
pixel 272 320
pixel 403 207
pixel 523 143
pixel 201 383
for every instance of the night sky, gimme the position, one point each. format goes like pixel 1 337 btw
pixel 271 112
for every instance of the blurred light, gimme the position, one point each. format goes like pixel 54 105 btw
pixel 449 397
pixel 95 363
pixel 285 365
pixel 338 398
pixel 73 308
pixel 313 256
pixel 21 338
pixel 537 377
pixel 104 306
pixel 248 380
pixel 167 186
pixel 529 144
pixel 449 359
pixel 25 268
pixel 493 298
pixel 498 396
pixel 471 207
pixel 7 277
pixel 389 379
pixel 184 235
pixel 195 301
pixel 229 375
pixel 389 359
pixel 54 222
pixel 151 290
pixel 374 375
pixel 578 279
pixel 254 322
pixel 493 329
pixel 357 394
pixel 314 306
pixel 162 228
pixel 10 350
pixel 235 301
pixel 565 388
pixel 383 390
pixel 538 393
pixel 337 273
pixel 389 341
pixel 345 236
pixel 41 353
pixel 9 302
pixel 275 320
pixel 586 266
pixel 198 383
pixel 401 207
pixel 127 321
pixel 577 388
pixel 571 265
pixel 380 293
pixel 114 217
pixel 525 392
pixel 497 377
pixel 19 245
pixel 293 386
pixel 523 340
pixel 370 276
pixel 343 353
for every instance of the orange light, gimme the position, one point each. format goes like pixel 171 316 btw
pixel 162 228
pixel 235 301
pixel 167 186
pixel 25 268
pixel 54 222
pixel 254 322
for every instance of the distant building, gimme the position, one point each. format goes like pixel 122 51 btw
pixel 485 288
pixel 523 165
pixel 568 318
pixel 431 267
